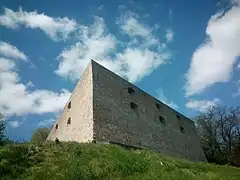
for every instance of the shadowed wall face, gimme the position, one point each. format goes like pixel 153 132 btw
pixel 125 114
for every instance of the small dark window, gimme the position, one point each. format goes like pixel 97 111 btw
pixel 182 129
pixel 56 140
pixel 158 106
pixel 161 119
pixel 178 116
pixel 56 127
pixel 69 121
pixel 69 105
pixel 131 91
pixel 134 105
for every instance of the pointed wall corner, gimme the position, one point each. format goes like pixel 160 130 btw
pixel 80 128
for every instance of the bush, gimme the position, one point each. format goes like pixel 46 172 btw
pixel 40 135
pixel 15 159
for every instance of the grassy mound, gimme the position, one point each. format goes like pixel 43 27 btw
pixel 97 162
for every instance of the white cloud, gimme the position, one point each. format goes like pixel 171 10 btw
pixel 6 64
pixel 238 89
pixel 10 51
pixel 139 62
pixel 15 124
pixel 213 61
pixel 162 97
pixel 131 26
pixel 29 84
pixel 93 44
pixel 132 60
pixel 202 105
pixel 17 99
pixel 169 35
pixel 46 122
pixel 100 8
pixel 57 28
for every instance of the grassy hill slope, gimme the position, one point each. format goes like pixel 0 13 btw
pixel 97 162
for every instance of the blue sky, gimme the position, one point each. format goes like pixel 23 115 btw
pixel 185 53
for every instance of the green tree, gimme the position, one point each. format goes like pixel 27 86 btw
pixel 219 130
pixel 40 135
pixel 2 127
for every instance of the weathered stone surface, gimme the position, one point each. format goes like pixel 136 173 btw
pixel 101 111
pixel 81 113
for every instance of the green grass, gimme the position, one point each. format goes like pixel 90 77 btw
pixel 67 161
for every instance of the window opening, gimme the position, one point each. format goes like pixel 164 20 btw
pixel 134 105
pixel 162 120
pixel 69 121
pixel 69 105
pixel 182 129
pixel 131 90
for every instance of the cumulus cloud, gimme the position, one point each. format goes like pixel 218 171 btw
pixel 139 62
pixel 17 99
pixel 100 8
pixel 142 33
pixel 163 98
pixel 46 122
pixel 131 26
pixel 93 44
pixel 169 35
pixel 15 124
pixel 213 61
pixel 132 60
pixel 202 105
pixel 7 50
pixel 57 28
pixel 6 64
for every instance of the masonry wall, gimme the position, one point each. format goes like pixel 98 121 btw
pixel 80 128
pixel 115 120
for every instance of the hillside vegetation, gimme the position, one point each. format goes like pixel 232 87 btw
pixel 65 161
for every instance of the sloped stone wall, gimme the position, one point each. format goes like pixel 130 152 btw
pixel 80 128
pixel 134 119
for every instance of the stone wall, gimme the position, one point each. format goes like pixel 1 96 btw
pixel 145 124
pixel 80 128
pixel 104 109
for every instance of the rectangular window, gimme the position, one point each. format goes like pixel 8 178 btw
pixel 182 129
pixel 69 121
